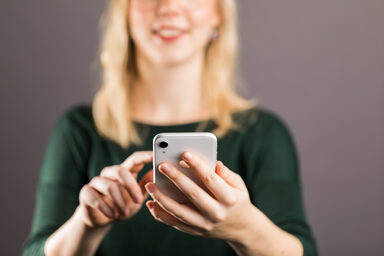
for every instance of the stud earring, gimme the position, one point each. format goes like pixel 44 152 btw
pixel 215 35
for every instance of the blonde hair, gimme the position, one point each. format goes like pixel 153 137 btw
pixel 111 109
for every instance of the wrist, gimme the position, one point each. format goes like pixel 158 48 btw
pixel 262 237
pixel 256 235
pixel 74 237
pixel 79 219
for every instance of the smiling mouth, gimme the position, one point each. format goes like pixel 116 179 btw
pixel 169 34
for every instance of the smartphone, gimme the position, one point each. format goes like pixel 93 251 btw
pixel 168 147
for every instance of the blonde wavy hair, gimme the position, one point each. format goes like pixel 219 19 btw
pixel 111 108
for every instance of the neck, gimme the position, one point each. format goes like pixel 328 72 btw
pixel 168 94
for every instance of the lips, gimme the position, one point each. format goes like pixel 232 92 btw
pixel 167 33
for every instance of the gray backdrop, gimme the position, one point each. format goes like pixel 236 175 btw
pixel 318 64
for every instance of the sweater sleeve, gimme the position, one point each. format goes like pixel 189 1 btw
pixel 274 181
pixel 62 175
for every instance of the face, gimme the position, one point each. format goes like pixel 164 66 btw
pixel 172 31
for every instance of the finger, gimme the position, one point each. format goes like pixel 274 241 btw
pixel 161 215
pixel 136 161
pixel 125 177
pixel 199 197
pixel 210 179
pixel 110 189
pixel 232 178
pixel 183 164
pixel 148 177
pixel 89 197
pixel 179 211
pixel 109 201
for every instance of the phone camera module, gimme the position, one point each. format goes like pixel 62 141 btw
pixel 163 144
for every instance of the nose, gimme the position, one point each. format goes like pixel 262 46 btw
pixel 168 7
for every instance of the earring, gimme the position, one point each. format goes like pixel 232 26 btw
pixel 215 35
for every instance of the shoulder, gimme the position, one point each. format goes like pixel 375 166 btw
pixel 74 132
pixel 77 114
pixel 260 119
pixel 263 128
pixel 77 117
pixel 75 125
pixel 269 149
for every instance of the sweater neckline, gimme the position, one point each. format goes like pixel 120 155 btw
pixel 167 126
pixel 177 126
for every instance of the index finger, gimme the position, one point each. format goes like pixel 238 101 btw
pixel 136 161
pixel 125 178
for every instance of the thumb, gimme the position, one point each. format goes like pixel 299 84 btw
pixel 232 178
pixel 148 177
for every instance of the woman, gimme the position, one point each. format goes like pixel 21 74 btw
pixel 168 65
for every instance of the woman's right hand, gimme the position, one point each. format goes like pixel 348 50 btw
pixel 115 194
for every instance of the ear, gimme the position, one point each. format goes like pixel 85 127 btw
pixel 216 18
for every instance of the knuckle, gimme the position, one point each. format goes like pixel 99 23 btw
pixel 83 192
pixel 209 178
pixel 104 170
pixel 231 199
pixel 85 188
pixel 195 194
pixel 219 216
pixel 93 180
pixel 208 227
pixel 119 170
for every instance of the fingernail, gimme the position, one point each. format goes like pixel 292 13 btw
pixel 126 212
pixel 188 156
pixel 150 188
pixel 219 166
pixel 149 205
pixel 165 168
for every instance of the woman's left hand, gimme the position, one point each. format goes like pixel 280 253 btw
pixel 221 214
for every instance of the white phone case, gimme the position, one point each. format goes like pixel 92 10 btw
pixel 203 144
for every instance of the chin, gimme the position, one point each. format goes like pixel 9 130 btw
pixel 172 61
pixel 173 58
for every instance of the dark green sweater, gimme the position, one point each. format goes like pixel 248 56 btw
pixel 262 152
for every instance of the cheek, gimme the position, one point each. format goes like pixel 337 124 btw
pixel 202 25
pixel 139 19
pixel 204 16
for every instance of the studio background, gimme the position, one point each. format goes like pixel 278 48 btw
pixel 318 64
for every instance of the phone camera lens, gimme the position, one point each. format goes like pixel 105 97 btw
pixel 163 144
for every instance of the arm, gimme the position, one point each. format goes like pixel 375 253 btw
pixel 104 200
pixel 75 238
pixel 273 180
pixel 73 214
pixel 263 237
pixel 62 175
